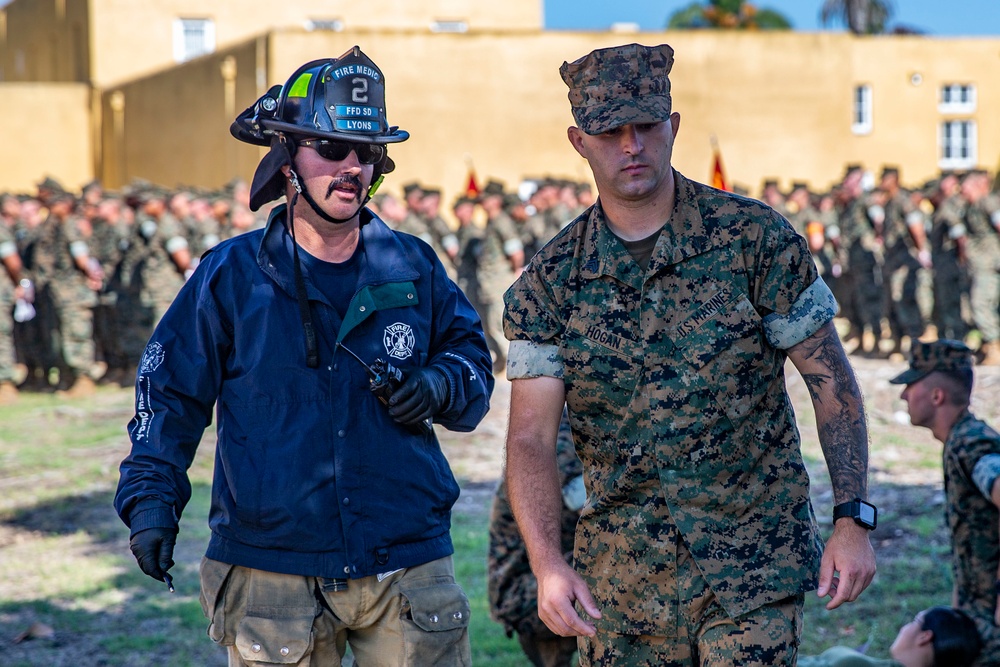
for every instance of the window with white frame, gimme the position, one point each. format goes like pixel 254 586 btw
pixel 861 113
pixel 958 144
pixel 193 38
pixel 957 98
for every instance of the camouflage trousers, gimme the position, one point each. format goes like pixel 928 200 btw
pixel 866 285
pixel 984 299
pixel 136 318
pixel 901 306
pixel 74 314
pixel 493 328
pixel 707 636
pixel 415 617
pixel 950 284
pixel 107 336
pixel 6 341
pixel 990 634
pixel 33 340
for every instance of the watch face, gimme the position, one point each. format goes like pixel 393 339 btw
pixel 866 513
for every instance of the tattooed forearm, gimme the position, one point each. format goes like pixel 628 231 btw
pixel 844 437
pixel 840 415
pixel 815 382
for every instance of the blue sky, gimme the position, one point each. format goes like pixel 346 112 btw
pixel 961 17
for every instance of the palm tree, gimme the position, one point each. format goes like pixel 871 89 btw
pixel 862 17
pixel 727 14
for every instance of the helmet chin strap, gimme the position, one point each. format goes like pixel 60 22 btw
pixel 301 189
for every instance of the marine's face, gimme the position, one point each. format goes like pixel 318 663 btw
pixel 919 397
pixel 631 162
pixel 908 637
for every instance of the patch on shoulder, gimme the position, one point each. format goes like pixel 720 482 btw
pixel 152 357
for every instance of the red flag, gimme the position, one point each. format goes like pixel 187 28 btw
pixel 472 188
pixel 718 176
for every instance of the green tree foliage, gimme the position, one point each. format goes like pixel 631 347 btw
pixel 727 15
pixel 862 17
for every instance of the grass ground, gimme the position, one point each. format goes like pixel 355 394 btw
pixel 67 577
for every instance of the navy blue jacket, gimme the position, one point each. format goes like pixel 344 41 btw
pixel 312 476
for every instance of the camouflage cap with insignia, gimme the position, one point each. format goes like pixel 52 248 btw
pixel 945 355
pixel 620 85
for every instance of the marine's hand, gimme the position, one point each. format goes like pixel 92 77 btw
pixel 558 589
pixel 848 554
pixel 422 394
pixel 153 549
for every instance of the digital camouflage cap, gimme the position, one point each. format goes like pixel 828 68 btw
pixel 619 86
pixel 945 355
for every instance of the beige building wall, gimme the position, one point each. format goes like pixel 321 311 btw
pixel 173 128
pixel 46 132
pixel 779 104
pixel 45 41
pixel 111 41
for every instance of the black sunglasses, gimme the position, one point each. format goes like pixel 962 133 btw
pixel 339 150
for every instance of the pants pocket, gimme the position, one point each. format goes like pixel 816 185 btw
pixel 214 577
pixel 275 641
pixel 435 622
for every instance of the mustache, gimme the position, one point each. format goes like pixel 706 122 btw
pixel 348 179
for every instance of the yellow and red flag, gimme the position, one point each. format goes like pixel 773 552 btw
pixel 471 187
pixel 718 175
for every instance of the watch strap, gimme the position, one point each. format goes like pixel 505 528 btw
pixel 852 509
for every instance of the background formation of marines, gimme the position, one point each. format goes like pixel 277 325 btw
pixel 98 269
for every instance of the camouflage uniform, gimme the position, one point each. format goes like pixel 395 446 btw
pixel 950 280
pixel 33 338
pixel 800 219
pixel 984 265
pixel 900 272
pixel 674 380
pixel 971 465
pixel 973 520
pixel 512 588
pixel 840 656
pixel 8 248
pixel 66 293
pixel 416 224
pixel 150 279
pixel 500 241
pixel 557 217
pixel 443 240
pixel 864 266
pixel 470 247
pixel 534 234
pixel 107 244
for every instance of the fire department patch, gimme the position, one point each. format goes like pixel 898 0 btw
pixel 398 340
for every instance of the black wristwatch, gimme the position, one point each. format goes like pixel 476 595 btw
pixel 864 514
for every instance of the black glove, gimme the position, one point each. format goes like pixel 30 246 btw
pixel 422 394
pixel 153 549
